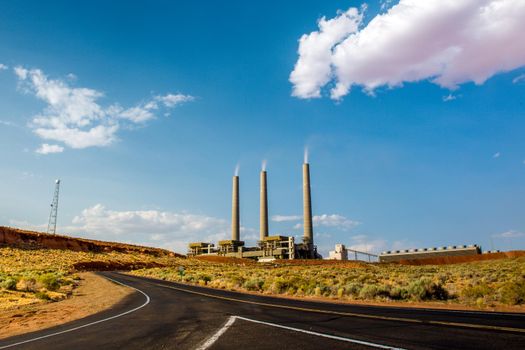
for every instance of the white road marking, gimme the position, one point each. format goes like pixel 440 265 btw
pixel 210 341
pixel 217 335
pixel 88 324
pixel 361 342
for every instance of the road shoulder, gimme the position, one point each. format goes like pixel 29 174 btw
pixel 93 295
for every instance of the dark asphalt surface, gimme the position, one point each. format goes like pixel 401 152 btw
pixel 176 319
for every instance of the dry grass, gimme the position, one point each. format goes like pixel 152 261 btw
pixel 44 275
pixel 93 294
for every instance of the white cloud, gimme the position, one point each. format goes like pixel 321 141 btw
pixel 172 100
pixel 313 68
pixel 520 78
pixel 449 97
pixel 326 220
pixel 334 220
pixel 155 228
pixel 365 244
pixel 386 4
pixel 47 148
pixel 25 225
pixel 3 66
pixel 75 117
pixel 170 230
pixel 496 155
pixel 137 114
pixel 100 135
pixel 509 234
pixel 6 123
pixel 27 175
pixel 282 218
pixel 447 42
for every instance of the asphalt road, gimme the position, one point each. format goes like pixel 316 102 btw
pixel 167 315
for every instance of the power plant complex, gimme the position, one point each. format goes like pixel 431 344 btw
pixel 284 247
pixel 268 247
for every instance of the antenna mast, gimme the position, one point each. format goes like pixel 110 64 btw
pixel 52 225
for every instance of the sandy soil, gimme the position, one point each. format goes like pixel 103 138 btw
pixel 93 294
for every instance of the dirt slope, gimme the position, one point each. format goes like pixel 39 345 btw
pixel 23 239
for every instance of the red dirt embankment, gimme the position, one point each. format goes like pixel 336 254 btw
pixel 463 259
pixel 16 238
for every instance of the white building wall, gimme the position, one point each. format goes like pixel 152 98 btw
pixel 340 253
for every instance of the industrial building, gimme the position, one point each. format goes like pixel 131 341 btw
pixel 340 253
pixel 343 253
pixel 268 247
pixel 425 253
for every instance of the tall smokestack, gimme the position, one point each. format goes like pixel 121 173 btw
pixel 235 209
pixel 263 230
pixel 307 206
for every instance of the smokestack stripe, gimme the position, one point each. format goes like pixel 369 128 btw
pixel 235 209
pixel 263 229
pixel 307 206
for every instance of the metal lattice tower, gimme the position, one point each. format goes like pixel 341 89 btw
pixel 52 225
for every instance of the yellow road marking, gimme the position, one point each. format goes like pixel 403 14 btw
pixel 353 314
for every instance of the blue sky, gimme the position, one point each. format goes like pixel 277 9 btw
pixel 412 155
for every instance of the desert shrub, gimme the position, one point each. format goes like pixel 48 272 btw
pixel 322 290
pixel 291 290
pixel 425 289
pixel 353 289
pixel 254 284
pixel 50 281
pixel 9 283
pixel 399 293
pixel 476 291
pixel 280 285
pixel 371 291
pixel 202 278
pixel 513 292
pixel 237 280
pixel 42 295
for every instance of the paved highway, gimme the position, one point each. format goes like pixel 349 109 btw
pixel 167 315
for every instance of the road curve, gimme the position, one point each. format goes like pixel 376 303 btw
pixel 168 315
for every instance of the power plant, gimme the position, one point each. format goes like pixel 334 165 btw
pixel 284 247
pixel 268 247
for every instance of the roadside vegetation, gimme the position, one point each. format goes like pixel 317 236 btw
pixel 483 284
pixel 44 275
pixel 32 276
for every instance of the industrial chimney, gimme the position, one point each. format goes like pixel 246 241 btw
pixel 235 209
pixel 263 230
pixel 307 208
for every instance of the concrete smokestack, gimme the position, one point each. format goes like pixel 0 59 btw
pixel 235 209
pixel 263 230
pixel 307 206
